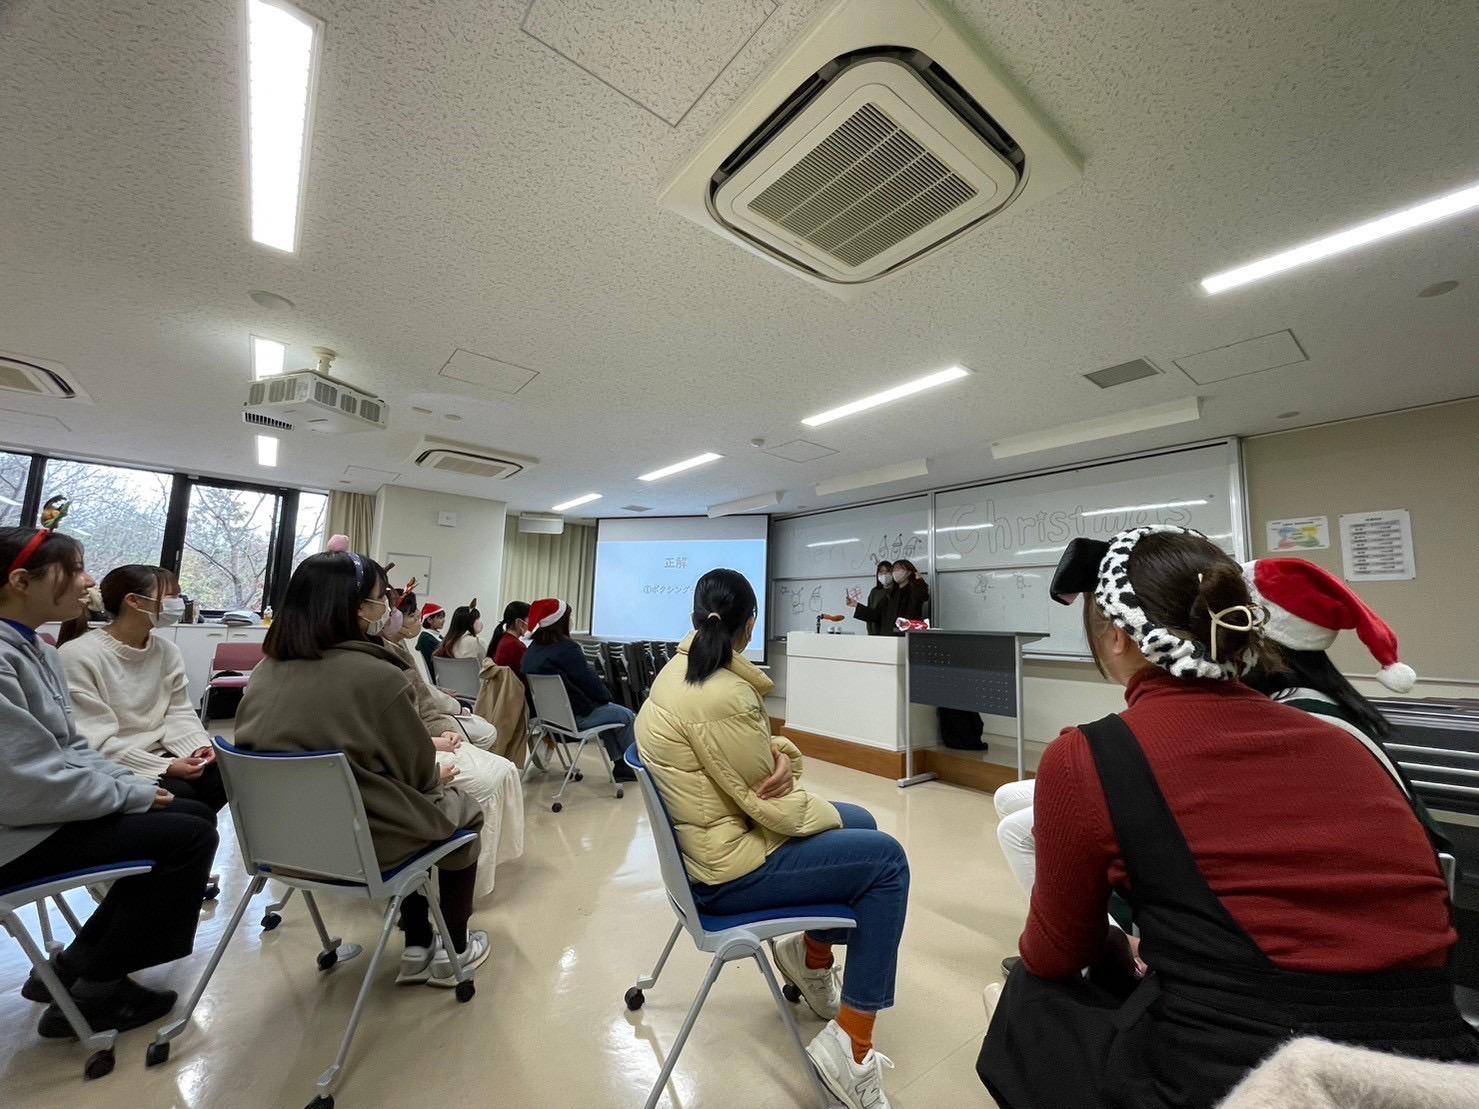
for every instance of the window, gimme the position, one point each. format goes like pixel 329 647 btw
pixel 15 469
pixel 228 545
pixel 311 533
pixel 119 514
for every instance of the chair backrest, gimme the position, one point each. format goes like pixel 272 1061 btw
pixel 639 671
pixel 238 655
pixel 460 675
pixel 621 681
pixel 418 660
pixel 552 703
pixel 669 856
pixel 299 814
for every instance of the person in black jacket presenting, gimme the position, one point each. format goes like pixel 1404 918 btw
pixel 554 652
pixel 908 597
pixel 875 612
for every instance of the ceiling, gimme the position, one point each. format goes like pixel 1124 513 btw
pixel 472 186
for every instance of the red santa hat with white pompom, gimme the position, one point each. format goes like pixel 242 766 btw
pixel 1308 606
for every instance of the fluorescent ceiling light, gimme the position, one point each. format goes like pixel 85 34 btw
pixel 744 504
pixel 282 57
pixel 834 542
pixel 1141 507
pixel 1100 427
pixel 909 388
pixel 1042 550
pixel 971 527
pixel 1383 227
pixel 266 450
pixel 268 357
pixel 943 557
pixel 576 502
pixel 679 467
pixel 883 475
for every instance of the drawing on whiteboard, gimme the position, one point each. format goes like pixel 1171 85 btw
pixel 791 595
pixel 890 549
pixel 816 599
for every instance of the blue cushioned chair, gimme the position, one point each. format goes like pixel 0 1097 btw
pixel 727 938
pixel 99 1043
pixel 300 821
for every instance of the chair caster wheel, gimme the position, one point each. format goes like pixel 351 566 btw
pixel 323 1101
pixel 212 891
pixel 620 793
pixel 791 993
pixel 155 1054
pixel 635 999
pixel 99 1063
pixel 556 807
pixel 327 959
pixel 465 990
pixel 270 921
pixel 579 776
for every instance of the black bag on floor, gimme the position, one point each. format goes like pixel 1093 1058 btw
pixel 960 729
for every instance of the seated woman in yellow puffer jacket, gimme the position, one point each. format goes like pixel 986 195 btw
pixel 752 839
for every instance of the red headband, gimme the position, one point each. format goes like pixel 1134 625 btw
pixel 28 551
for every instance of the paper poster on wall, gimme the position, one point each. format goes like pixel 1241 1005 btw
pixel 408 567
pixel 1377 546
pixel 1308 533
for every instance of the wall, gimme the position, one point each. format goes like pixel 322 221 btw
pixel 1426 461
pixel 466 561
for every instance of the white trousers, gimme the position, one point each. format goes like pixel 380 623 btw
pixel 1014 830
pixel 495 784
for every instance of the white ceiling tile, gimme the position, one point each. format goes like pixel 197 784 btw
pixel 660 54
pixel 800 450
pixel 488 373
pixel 1250 356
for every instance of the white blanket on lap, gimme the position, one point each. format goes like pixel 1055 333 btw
pixel 1310 1073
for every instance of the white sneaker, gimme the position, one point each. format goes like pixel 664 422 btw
pixel 856 1085
pixel 991 998
pixel 478 950
pixel 415 965
pixel 821 989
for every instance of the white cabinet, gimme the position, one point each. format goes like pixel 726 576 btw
pixel 197 644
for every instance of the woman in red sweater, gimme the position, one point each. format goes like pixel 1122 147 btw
pixel 507 646
pixel 1281 883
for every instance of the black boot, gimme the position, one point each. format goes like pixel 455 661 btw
pixel 35 989
pixel 130 1005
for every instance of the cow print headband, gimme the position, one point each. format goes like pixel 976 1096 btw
pixel 1181 656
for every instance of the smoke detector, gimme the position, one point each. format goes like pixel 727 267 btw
pixel 882 135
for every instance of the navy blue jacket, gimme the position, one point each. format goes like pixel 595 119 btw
pixel 565 658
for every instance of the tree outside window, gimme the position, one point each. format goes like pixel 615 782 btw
pixel 117 513
pixel 228 544
pixel 14 468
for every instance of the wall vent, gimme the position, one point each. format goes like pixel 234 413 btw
pixel 879 137
pixel 466 460
pixel 35 377
pixel 1122 374
pixel 256 419
pixel 636 508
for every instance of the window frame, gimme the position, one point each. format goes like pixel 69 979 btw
pixel 177 514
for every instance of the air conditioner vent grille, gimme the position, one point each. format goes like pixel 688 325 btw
pixel 259 420
pixel 864 189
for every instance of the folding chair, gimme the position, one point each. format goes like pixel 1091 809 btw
pixel 461 677
pixel 557 720
pixel 231 667
pixel 300 820
pixel 727 938
pixel 100 1043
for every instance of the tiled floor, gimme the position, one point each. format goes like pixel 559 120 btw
pixel 573 923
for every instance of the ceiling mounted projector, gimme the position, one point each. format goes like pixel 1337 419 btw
pixel 313 400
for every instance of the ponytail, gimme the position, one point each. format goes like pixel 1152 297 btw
pixel 514 610
pixel 723 603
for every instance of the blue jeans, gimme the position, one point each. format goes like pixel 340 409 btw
pixel 855 865
pixel 614 741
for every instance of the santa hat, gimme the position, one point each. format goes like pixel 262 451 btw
pixel 1308 605
pixel 430 609
pixel 546 612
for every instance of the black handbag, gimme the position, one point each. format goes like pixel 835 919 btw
pixel 961 729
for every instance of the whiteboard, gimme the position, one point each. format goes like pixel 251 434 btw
pixel 796 604
pixel 1029 521
pixel 1012 600
pixel 851 541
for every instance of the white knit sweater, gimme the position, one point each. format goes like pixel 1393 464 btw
pixel 132 704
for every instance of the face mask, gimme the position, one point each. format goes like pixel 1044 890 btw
pixel 477 629
pixel 171 611
pixel 393 626
pixel 900 576
pixel 375 627
pixel 884 579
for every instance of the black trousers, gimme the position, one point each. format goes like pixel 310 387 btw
pixel 455 889
pixel 208 789
pixel 145 920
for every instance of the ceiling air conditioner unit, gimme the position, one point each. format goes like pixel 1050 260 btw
pixel 34 377
pixel 881 135
pixel 541 523
pixel 313 400
pixel 447 457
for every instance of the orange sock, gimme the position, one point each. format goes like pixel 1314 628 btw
pixel 818 955
pixel 859 1029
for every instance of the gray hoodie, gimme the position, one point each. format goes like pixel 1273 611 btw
pixel 49 776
